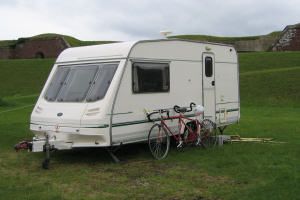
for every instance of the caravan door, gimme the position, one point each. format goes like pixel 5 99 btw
pixel 208 90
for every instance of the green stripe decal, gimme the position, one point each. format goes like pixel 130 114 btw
pixel 130 123
pixel 143 121
pixel 121 113
pixel 229 110
pixel 103 126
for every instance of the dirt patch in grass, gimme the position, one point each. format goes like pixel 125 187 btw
pixel 156 179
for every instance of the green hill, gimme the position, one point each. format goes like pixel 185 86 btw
pixel 23 76
pixel 4 43
pixel 222 39
pixel 265 77
pixel 73 42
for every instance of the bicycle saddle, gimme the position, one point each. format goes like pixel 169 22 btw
pixel 180 109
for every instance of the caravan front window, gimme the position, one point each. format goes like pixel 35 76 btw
pixel 79 83
pixel 56 83
pixel 102 82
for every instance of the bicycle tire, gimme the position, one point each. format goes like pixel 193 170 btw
pixel 208 134
pixel 159 143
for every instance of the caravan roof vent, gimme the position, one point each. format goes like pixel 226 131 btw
pixel 165 33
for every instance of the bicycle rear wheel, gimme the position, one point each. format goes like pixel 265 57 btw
pixel 208 134
pixel 159 142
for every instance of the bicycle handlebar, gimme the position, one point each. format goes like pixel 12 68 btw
pixel 176 109
pixel 160 111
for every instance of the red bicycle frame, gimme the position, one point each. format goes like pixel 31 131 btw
pixel 192 134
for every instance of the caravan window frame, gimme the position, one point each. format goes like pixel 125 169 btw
pixel 165 81
pixel 100 68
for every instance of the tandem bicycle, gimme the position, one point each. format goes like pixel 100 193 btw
pixel 197 131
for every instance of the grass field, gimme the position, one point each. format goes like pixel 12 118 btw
pixel 270 97
pixel 20 77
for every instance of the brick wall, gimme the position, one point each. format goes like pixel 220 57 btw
pixel 6 52
pixel 49 47
pixel 42 47
pixel 289 39
pixel 261 44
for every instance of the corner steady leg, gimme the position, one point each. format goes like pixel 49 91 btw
pixel 46 162
pixel 112 155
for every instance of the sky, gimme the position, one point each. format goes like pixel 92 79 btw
pixel 142 19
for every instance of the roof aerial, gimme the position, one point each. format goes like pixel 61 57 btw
pixel 165 33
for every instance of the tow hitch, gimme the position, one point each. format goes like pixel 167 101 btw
pixel 28 145
pixel 24 145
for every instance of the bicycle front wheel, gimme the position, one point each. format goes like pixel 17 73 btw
pixel 158 141
pixel 208 134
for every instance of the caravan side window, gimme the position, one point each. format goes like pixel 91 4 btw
pixel 208 67
pixel 150 77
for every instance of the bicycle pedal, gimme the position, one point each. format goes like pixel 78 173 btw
pixel 180 145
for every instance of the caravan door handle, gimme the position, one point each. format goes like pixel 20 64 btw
pixel 213 83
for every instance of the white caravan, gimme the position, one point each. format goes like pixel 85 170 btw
pixel 96 96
